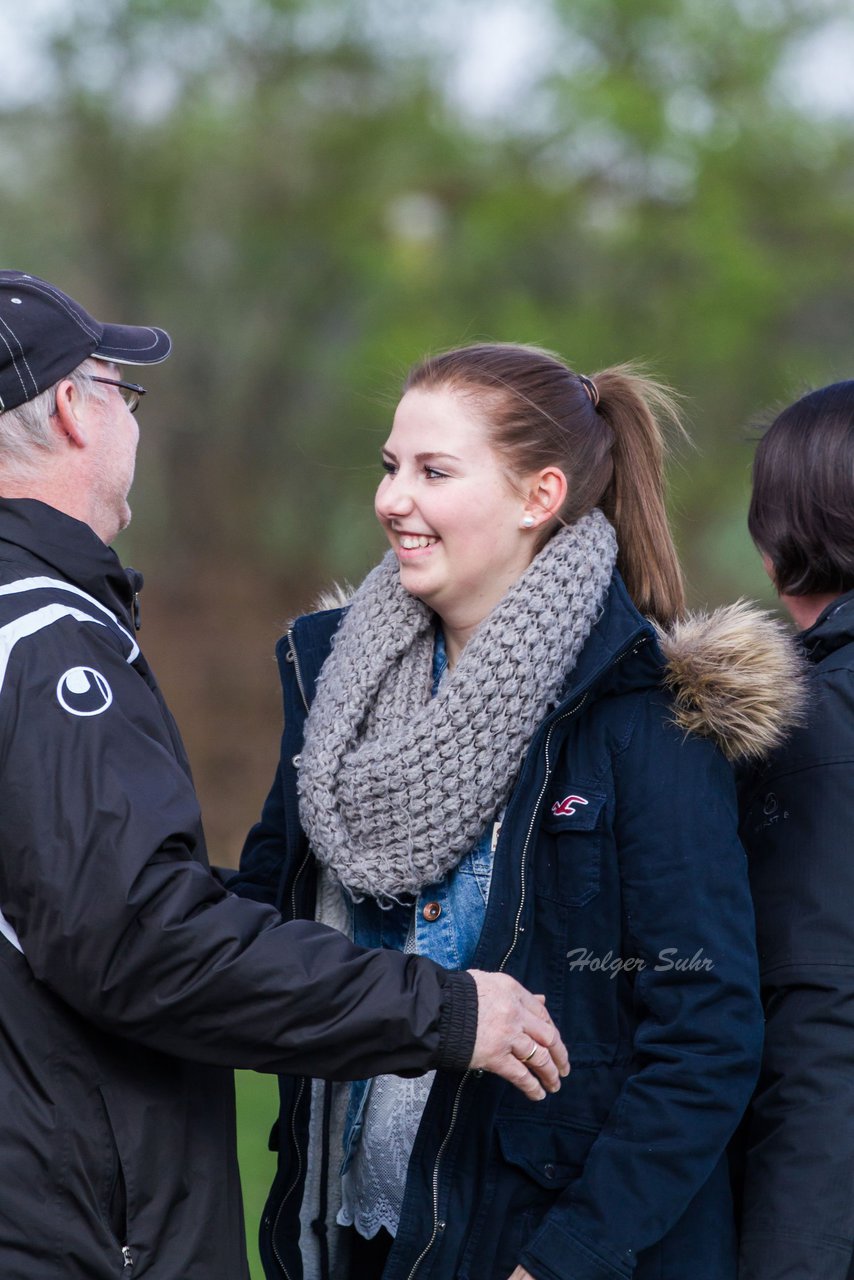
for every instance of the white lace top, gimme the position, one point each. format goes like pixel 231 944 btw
pixel 372 1188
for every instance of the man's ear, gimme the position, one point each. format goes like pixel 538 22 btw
pixel 70 416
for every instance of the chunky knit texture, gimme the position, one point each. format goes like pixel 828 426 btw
pixel 396 786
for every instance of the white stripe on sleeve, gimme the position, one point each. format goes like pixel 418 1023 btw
pixel 8 932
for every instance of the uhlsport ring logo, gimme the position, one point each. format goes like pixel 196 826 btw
pixel 82 691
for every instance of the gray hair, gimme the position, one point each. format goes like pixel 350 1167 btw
pixel 27 431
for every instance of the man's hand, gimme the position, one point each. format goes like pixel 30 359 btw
pixel 516 1038
pixel 519 1273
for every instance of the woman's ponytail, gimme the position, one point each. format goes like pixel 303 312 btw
pixel 637 409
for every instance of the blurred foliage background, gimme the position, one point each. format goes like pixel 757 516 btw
pixel 310 194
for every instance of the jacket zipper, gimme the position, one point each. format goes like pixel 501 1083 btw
pixel 294 1184
pixel 517 927
pixel 291 656
pixel 128 1259
pixel 517 930
pixel 567 715
pixel 437 1225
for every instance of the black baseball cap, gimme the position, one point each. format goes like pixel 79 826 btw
pixel 45 335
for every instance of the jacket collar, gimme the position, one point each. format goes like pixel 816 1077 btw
pixel 833 628
pixel 617 630
pixel 70 549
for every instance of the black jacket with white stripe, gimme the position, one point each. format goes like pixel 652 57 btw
pixel 130 979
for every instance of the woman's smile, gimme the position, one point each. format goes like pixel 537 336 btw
pixel 410 544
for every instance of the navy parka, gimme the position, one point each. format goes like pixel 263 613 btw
pixel 620 891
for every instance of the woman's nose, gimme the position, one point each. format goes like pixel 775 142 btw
pixel 394 497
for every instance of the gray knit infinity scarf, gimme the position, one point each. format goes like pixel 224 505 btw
pixel 396 786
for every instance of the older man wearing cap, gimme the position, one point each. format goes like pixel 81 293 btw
pixel 130 980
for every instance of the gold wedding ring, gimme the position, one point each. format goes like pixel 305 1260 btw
pixel 531 1054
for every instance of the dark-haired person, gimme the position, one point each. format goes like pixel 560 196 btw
pixel 798 827
pixel 481 762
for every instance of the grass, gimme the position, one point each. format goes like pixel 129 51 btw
pixel 257 1108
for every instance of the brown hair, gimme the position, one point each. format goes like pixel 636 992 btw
pixel 802 507
pixel 604 432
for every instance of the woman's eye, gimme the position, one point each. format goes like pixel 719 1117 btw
pixel 388 467
pixel 432 474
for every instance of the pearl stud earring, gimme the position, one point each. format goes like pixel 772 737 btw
pixel 527 522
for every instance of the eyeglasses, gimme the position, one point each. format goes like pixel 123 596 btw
pixel 130 392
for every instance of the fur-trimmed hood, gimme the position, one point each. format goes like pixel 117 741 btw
pixel 737 677
pixel 336 596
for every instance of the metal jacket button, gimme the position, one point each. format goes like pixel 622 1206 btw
pixel 549 1170
pixel 432 911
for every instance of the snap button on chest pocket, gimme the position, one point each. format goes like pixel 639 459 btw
pixel 432 911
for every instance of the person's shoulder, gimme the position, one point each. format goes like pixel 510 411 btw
pixel 825 734
pixel 60 650
pixel 836 671
pixel 306 643
pixel 33 603
pixel 318 625
pixel 18 563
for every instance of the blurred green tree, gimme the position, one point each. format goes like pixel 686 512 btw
pixel 299 197
pixel 296 189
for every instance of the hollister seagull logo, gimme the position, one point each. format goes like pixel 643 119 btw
pixel 82 691
pixel 565 808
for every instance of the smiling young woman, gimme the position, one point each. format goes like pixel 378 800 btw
pixel 453 516
pixel 487 755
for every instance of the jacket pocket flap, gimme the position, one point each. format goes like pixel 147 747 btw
pixel 551 1154
pixel 573 810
